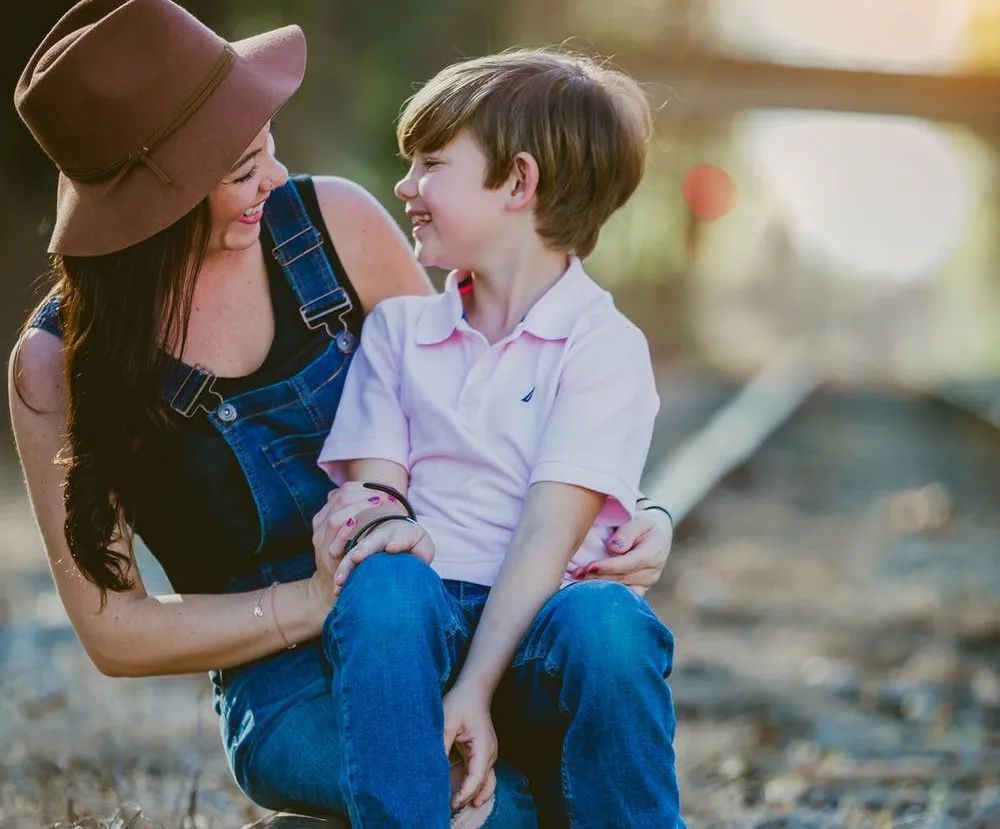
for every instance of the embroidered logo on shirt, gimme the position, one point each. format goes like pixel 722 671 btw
pixel 529 395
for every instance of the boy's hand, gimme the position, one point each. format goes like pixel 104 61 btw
pixel 468 729
pixel 391 537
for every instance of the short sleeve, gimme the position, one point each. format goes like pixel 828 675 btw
pixel 369 422
pixel 599 430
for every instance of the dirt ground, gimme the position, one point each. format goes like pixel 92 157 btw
pixel 835 606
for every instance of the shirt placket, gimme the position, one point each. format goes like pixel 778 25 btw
pixel 470 397
pixel 474 395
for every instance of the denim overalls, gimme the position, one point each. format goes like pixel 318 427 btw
pixel 276 431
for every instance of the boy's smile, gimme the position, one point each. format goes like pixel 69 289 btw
pixel 456 220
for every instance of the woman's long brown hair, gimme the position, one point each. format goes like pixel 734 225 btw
pixel 119 316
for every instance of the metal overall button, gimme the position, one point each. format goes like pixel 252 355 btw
pixel 345 342
pixel 226 412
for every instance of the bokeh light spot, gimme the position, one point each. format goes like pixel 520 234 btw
pixel 709 191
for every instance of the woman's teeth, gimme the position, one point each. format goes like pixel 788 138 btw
pixel 421 218
pixel 253 211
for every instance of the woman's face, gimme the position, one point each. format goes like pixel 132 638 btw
pixel 236 203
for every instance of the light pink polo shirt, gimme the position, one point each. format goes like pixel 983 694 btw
pixel 568 396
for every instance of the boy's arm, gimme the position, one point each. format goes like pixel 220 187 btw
pixel 370 422
pixel 378 471
pixel 531 572
pixel 369 442
pixel 555 520
pixel 589 459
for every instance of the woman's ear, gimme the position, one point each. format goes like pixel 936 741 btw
pixel 523 181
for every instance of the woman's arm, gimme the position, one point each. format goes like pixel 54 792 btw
pixel 375 253
pixel 136 634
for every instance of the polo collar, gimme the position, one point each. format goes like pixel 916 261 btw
pixel 552 317
pixel 558 310
pixel 441 313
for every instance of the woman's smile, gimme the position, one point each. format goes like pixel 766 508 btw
pixel 252 215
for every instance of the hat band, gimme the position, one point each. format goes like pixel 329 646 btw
pixel 123 166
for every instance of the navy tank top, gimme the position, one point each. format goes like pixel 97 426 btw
pixel 194 507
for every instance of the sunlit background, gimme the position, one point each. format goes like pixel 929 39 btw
pixel 813 256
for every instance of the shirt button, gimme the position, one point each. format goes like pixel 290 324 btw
pixel 227 413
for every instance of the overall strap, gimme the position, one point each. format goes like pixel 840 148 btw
pixel 186 389
pixel 298 247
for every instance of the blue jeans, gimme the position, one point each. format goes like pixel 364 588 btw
pixel 352 722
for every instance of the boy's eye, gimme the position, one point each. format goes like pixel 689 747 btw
pixel 246 177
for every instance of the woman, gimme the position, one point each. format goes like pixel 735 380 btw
pixel 185 369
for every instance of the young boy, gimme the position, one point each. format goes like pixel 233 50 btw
pixel 517 407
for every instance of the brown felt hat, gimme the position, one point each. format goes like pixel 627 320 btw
pixel 144 109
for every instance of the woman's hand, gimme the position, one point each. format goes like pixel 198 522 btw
pixel 468 729
pixel 639 551
pixel 333 526
pixel 399 536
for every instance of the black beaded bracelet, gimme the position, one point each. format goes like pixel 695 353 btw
pixel 395 493
pixel 371 525
pixel 664 510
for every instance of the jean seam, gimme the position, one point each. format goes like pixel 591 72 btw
pixel 307 394
pixel 455 626
pixel 261 504
pixel 349 774
pixel 564 781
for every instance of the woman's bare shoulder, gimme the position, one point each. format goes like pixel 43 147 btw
pixel 373 249
pixel 36 372
pixel 338 194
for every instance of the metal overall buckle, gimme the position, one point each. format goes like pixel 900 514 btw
pixel 198 383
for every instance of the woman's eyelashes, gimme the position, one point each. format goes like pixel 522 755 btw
pixel 249 175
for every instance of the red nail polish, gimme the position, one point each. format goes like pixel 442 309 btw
pixel 374 499
pixel 392 500
pixel 351 522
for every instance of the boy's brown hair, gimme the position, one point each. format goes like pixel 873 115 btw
pixel 586 125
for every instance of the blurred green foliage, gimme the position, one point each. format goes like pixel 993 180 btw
pixel 364 60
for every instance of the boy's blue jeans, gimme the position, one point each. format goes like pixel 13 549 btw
pixel 352 723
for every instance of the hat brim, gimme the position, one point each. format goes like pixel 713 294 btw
pixel 92 219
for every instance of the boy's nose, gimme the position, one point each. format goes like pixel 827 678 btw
pixel 404 188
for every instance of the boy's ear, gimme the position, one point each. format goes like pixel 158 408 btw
pixel 523 181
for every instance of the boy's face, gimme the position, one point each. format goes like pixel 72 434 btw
pixel 456 221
